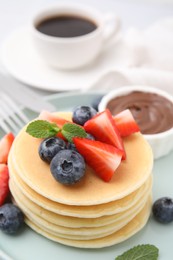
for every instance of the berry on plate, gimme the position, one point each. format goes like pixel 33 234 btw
pixel 103 128
pixel 163 210
pixel 11 219
pixel 82 114
pixel 95 103
pixel 126 123
pixel 71 146
pixel 4 177
pixel 67 167
pixel 103 158
pixel 49 147
pixel 50 117
pixel 5 146
pixel 90 137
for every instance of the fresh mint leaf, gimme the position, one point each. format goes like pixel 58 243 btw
pixel 70 131
pixel 45 129
pixel 42 129
pixel 140 252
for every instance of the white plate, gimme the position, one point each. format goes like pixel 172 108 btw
pixel 23 63
pixel 29 245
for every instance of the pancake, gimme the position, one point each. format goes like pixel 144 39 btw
pixel 80 211
pixel 134 226
pixel 91 213
pixel 30 208
pixel 79 233
pixel 91 190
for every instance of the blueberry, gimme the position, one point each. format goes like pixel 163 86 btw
pixel 67 167
pixel 163 210
pixel 11 218
pixel 95 103
pixel 71 146
pixel 82 114
pixel 49 147
pixel 90 137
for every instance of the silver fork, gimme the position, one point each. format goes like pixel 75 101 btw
pixel 12 118
pixel 4 256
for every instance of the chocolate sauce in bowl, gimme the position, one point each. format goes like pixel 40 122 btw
pixel 152 112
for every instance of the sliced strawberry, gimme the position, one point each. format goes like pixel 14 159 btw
pixel 5 145
pixel 45 115
pixel 103 128
pixel 126 123
pixel 101 157
pixel 4 177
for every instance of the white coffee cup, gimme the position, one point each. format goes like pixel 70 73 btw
pixel 73 52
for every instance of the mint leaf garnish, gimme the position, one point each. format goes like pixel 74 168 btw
pixel 140 252
pixel 42 129
pixel 45 129
pixel 70 131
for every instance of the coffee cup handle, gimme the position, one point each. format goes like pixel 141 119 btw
pixel 112 27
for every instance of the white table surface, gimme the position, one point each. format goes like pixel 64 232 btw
pixel 133 13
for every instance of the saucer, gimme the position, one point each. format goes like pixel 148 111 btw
pixel 23 63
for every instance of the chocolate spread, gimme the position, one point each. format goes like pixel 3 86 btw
pixel 152 112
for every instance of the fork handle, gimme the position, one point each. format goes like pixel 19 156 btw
pixel 4 256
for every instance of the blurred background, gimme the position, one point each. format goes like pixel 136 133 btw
pixel 138 14
pixel 135 13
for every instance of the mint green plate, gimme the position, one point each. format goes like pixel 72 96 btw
pixel 29 245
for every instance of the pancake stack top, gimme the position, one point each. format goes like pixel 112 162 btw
pixel 91 213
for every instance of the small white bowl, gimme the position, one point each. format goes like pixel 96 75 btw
pixel 161 143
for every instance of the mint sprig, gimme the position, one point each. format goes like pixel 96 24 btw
pixel 69 131
pixel 42 129
pixel 140 252
pixel 45 129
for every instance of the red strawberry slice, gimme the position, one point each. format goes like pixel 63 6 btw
pixel 103 158
pixel 4 177
pixel 5 145
pixel 126 123
pixel 103 128
pixel 45 115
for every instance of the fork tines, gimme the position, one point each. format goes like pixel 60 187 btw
pixel 12 117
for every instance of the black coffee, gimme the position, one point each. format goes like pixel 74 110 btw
pixel 66 26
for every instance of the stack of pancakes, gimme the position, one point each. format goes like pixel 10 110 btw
pixel 91 213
